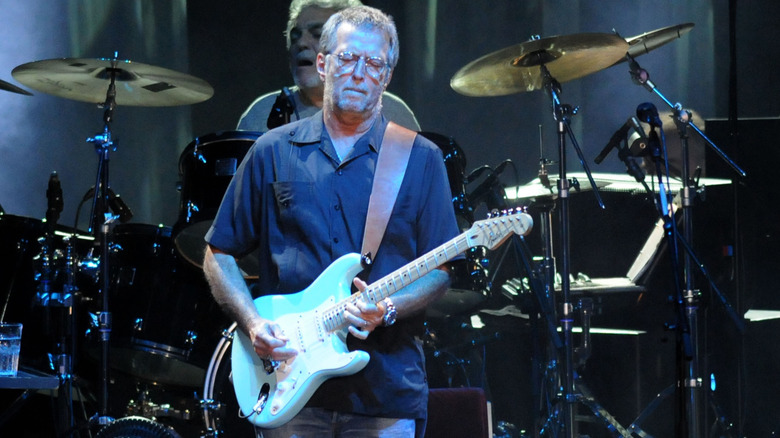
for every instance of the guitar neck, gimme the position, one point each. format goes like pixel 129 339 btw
pixel 489 233
pixel 397 280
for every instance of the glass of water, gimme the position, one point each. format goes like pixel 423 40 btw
pixel 10 344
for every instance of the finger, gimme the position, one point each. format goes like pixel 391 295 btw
pixel 368 309
pixel 277 332
pixel 353 315
pixel 282 353
pixel 270 341
pixel 356 332
pixel 359 284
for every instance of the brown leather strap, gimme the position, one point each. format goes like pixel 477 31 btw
pixel 389 173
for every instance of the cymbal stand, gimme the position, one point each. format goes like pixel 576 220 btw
pixel 58 299
pixel 101 219
pixel 689 413
pixel 562 114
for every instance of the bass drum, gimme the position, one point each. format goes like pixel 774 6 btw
pixel 221 414
pixel 206 167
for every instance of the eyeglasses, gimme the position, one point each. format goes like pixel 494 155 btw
pixel 347 61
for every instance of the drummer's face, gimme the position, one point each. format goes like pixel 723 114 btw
pixel 304 42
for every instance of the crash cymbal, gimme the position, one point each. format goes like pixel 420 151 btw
pixel 517 69
pixel 641 44
pixel 13 88
pixel 88 80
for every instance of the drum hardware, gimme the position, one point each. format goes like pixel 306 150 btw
pixel 13 88
pixel 543 64
pixel 691 418
pixel 221 414
pixel 95 81
pixel 491 190
pixel 57 295
pixel 455 354
pixel 146 407
pixel 469 286
pixel 138 427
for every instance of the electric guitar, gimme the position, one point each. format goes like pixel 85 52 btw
pixel 271 393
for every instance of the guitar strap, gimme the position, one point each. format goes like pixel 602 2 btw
pixel 390 169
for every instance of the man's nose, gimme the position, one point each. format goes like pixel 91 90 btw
pixel 307 41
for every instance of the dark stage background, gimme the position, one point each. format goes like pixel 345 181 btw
pixel 238 48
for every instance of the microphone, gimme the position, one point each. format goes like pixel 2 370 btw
pixel 489 186
pixel 291 101
pixel 648 113
pixel 115 203
pixel 281 111
pixel 617 137
pixel 54 197
pixel 119 207
pixel 476 173
pixel 638 143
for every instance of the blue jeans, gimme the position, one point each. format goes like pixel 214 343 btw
pixel 322 423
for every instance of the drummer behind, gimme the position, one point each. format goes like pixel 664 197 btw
pixel 304 27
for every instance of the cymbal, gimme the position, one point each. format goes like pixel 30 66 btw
pixel 606 182
pixel 88 80
pixel 644 43
pixel 191 245
pixel 516 68
pixel 13 88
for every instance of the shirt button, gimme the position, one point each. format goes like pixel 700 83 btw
pixel 337 207
pixel 335 240
pixel 340 172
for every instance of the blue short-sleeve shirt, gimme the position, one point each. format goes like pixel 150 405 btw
pixel 295 204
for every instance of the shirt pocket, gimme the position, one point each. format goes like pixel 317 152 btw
pixel 293 201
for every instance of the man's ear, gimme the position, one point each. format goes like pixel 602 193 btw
pixel 320 63
pixel 387 80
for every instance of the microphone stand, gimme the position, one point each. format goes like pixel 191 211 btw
pixel 689 383
pixel 562 114
pixel 101 219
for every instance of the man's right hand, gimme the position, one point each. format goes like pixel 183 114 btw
pixel 270 342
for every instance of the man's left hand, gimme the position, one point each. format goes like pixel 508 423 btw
pixel 363 316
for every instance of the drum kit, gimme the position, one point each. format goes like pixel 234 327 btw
pixel 147 269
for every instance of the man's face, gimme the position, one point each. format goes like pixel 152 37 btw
pixel 304 42
pixel 354 87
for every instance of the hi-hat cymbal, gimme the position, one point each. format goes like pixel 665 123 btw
pixel 88 80
pixel 13 88
pixel 644 43
pixel 517 69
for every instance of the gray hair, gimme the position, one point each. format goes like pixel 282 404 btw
pixel 296 6
pixel 361 17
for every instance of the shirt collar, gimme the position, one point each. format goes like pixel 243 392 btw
pixel 312 130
